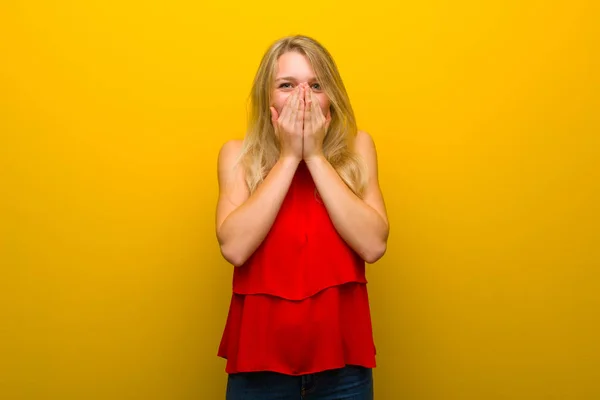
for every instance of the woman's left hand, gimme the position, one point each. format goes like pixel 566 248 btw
pixel 315 126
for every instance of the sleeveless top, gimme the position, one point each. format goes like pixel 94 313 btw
pixel 299 303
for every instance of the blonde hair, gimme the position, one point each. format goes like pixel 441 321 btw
pixel 260 150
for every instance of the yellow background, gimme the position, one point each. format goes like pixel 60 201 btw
pixel 487 120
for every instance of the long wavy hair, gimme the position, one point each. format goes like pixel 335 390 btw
pixel 261 149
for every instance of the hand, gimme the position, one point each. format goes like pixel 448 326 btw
pixel 315 126
pixel 288 125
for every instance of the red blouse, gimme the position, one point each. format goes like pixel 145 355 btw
pixel 300 303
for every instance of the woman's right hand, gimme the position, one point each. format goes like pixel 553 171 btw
pixel 289 125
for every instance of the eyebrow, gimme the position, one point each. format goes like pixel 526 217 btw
pixel 291 78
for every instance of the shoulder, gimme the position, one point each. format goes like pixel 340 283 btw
pixel 229 153
pixel 231 148
pixel 364 145
pixel 228 166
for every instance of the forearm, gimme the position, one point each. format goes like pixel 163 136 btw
pixel 246 227
pixel 360 225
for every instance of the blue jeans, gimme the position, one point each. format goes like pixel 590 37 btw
pixel 348 383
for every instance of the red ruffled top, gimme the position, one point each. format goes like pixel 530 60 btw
pixel 300 303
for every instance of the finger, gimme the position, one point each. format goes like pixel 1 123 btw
pixel 320 119
pixel 293 106
pixel 285 111
pixel 289 105
pixel 317 114
pixel 308 102
pixel 308 111
pixel 327 120
pixel 300 108
pixel 274 121
pixel 274 114
pixel 317 108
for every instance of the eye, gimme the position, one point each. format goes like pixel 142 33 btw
pixel 315 86
pixel 285 85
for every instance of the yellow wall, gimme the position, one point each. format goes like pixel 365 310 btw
pixel 487 120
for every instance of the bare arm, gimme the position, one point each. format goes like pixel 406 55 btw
pixel 362 223
pixel 243 220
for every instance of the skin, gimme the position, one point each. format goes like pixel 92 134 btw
pixel 293 69
pixel 300 116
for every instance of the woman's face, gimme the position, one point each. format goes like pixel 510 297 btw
pixel 292 70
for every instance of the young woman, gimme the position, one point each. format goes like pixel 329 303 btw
pixel 299 213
